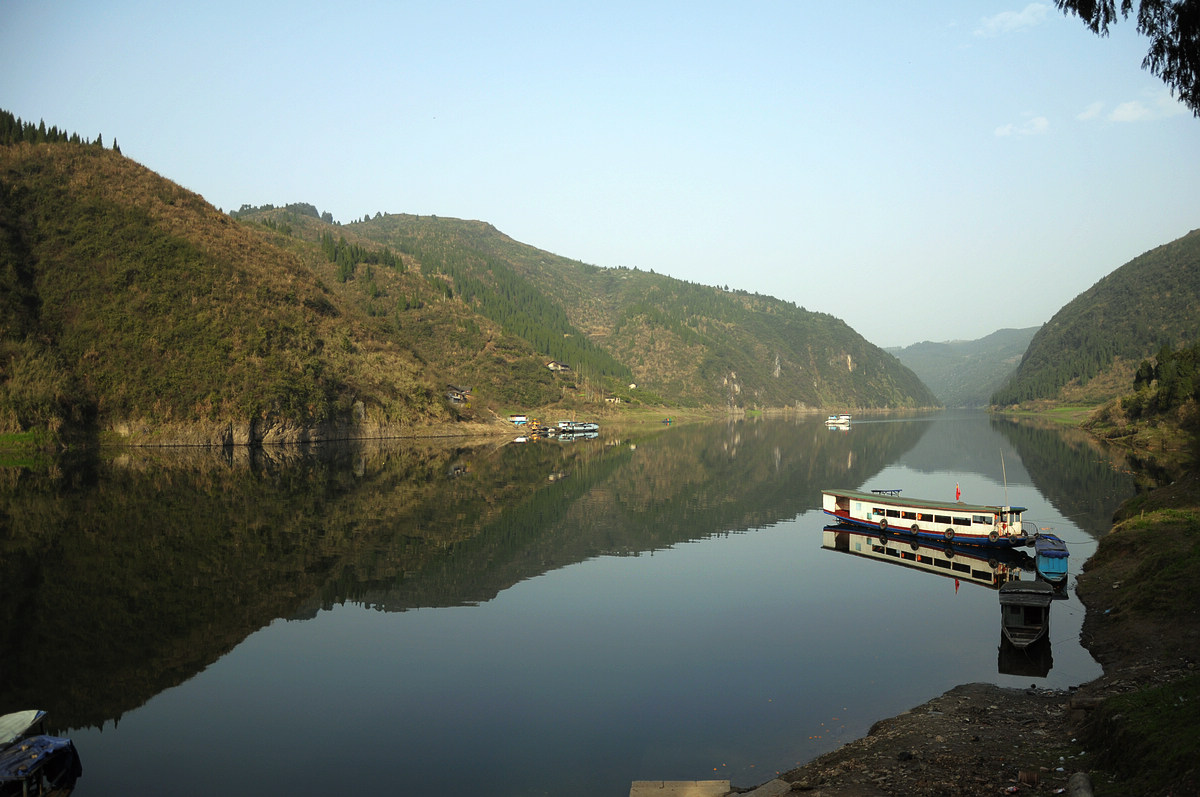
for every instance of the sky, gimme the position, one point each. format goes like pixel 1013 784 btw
pixel 923 171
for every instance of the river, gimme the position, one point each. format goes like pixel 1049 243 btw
pixel 509 618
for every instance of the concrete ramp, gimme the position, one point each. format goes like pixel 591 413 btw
pixel 679 788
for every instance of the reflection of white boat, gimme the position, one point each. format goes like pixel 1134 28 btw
pixel 1025 611
pixel 952 521
pixel 838 420
pixel 578 435
pixel 988 567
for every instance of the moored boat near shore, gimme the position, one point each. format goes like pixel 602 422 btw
pixel 1052 557
pixel 885 511
pixel 1025 611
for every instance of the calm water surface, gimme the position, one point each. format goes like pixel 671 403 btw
pixel 522 619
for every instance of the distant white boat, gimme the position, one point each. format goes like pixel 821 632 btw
pixel 838 420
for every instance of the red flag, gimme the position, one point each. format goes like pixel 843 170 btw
pixel 956 586
pixel 957 492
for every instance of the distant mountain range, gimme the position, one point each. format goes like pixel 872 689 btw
pixel 965 373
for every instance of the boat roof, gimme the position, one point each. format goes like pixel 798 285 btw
pixel 12 726
pixel 924 503
pixel 1026 593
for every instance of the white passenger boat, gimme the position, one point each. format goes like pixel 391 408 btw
pixel 566 427
pixel 886 512
pixel 838 420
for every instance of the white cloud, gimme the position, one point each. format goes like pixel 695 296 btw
pixel 1034 126
pixel 1012 21
pixel 1132 111
pixel 1157 104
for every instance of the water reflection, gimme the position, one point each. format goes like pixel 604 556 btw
pixel 989 567
pixel 124 576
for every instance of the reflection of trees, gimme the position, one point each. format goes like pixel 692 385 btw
pixel 1067 467
pixel 966 443
pixel 119 579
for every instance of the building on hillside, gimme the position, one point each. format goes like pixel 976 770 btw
pixel 458 395
pixel 555 365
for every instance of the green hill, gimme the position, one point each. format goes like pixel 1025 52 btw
pixel 129 305
pixel 1091 347
pixel 965 373
pixel 676 341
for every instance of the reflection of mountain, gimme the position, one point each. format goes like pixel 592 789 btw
pixel 651 493
pixel 966 442
pixel 1067 467
pixel 121 579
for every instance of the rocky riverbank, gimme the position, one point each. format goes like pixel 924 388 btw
pixel 1142 593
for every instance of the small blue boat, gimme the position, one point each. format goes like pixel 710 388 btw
pixel 1051 557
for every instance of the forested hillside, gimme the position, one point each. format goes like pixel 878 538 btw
pixel 965 373
pixel 1091 347
pixel 676 341
pixel 130 305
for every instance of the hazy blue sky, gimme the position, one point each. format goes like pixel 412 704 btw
pixel 924 171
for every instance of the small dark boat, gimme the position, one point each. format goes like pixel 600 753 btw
pixel 37 764
pixel 1025 611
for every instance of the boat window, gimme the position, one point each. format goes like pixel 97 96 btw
pixel 908 515
pixel 981 574
pixel 893 513
pixel 942 518
pixel 941 563
pixel 962 567
pixel 962 521
pixel 877 511
pixel 987 520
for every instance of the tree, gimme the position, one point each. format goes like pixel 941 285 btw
pixel 1173 27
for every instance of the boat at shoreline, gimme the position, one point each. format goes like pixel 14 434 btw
pixel 1025 611
pixel 575 427
pixel 35 763
pixel 842 420
pixel 885 512
pixel 1052 557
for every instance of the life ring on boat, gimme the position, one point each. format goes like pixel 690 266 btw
pixel 995 535
pixel 916 546
pixel 949 552
pixel 949 535
pixel 883 524
pixel 916 529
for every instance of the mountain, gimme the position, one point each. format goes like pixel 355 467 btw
pixel 676 341
pixel 131 306
pixel 965 373
pixel 1091 348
